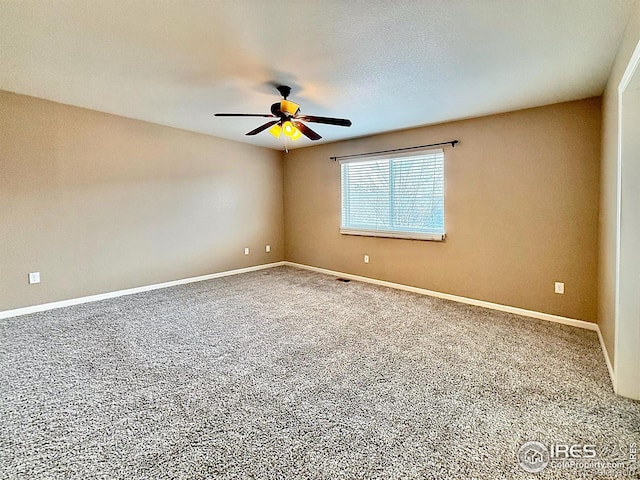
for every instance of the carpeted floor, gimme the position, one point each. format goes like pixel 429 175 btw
pixel 286 374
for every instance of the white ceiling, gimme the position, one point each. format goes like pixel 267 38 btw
pixel 385 65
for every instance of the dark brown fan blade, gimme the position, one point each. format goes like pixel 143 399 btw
pixel 343 122
pixel 262 127
pixel 268 115
pixel 307 131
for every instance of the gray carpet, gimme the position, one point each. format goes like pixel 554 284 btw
pixel 288 374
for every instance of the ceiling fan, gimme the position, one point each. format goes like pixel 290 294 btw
pixel 289 120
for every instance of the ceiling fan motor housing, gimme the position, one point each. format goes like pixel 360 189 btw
pixel 285 109
pixel 275 109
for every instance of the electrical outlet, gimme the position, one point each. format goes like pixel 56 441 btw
pixel 559 288
pixel 267 248
pixel 34 277
pixel 246 251
pixel 366 259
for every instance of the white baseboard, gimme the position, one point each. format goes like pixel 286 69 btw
pixel 129 291
pixel 606 359
pixel 470 301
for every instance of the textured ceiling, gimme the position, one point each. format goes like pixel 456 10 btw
pixel 385 65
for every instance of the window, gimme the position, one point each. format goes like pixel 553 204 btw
pixel 400 196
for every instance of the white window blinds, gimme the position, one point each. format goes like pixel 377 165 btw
pixel 402 196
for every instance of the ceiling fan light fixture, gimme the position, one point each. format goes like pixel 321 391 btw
pixel 289 107
pixel 276 130
pixel 296 134
pixel 288 129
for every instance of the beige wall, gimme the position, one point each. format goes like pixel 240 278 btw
pixel 608 195
pixel 98 203
pixel 521 209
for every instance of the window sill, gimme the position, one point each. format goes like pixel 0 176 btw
pixel 434 237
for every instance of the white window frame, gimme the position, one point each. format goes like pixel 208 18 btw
pixel 438 236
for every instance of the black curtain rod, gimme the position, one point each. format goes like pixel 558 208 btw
pixel 451 142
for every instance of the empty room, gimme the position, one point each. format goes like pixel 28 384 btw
pixel 334 239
